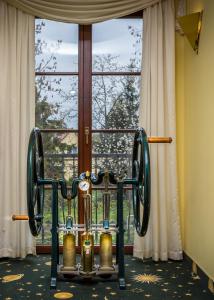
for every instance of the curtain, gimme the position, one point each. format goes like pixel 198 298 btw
pixel 16 120
pixel 157 116
pixel 81 11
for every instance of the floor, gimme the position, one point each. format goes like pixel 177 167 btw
pixel 29 279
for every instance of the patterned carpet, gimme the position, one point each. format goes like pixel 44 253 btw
pixel 145 280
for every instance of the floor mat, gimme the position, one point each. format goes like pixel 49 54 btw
pixel 30 279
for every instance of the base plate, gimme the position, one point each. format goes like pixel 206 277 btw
pixel 97 271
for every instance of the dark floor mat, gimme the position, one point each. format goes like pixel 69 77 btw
pixel 145 280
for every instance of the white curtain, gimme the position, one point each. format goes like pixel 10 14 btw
pixel 157 116
pixel 16 120
pixel 81 11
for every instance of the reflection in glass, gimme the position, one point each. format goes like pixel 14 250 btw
pixel 57 101
pixel 117 45
pixel 56 46
pixel 115 102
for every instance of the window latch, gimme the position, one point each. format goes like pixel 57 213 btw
pixel 86 134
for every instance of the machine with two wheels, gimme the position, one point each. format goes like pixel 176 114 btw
pixel 86 267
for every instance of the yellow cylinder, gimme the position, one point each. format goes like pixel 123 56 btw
pixel 69 252
pixel 106 251
pixel 87 252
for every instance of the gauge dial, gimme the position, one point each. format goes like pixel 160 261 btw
pixel 84 185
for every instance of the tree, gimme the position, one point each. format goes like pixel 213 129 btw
pixel 50 114
pixel 116 107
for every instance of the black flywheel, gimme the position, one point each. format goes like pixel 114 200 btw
pixel 142 189
pixel 35 172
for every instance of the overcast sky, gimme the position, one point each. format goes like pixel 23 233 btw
pixel 110 37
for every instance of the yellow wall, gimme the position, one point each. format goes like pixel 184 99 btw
pixel 195 141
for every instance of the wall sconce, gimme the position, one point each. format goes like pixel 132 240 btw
pixel 191 27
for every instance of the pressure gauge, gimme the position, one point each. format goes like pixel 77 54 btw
pixel 84 185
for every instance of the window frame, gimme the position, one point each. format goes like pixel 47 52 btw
pixel 85 75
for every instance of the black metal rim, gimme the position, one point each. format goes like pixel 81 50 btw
pixel 35 172
pixel 142 189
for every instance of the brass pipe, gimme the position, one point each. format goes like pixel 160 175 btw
pixel 106 198
pixel 69 207
pixel 87 238
pixel 87 210
pixel 106 237
pixel 106 206
pixel 156 139
pixel 20 218
pixel 106 180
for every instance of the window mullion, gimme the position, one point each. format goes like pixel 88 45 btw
pixel 85 103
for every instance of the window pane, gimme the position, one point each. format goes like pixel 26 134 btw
pixel 61 160
pixel 97 213
pixel 115 101
pixel 61 155
pixel 56 46
pixel 44 237
pixel 112 151
pixel 57 101
pixel 117 45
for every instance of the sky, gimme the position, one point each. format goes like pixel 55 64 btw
pixel 109 37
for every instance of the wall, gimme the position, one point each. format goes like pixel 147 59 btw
pixel 195 142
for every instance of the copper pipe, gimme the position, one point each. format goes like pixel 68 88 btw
pixel 20 218
pixel 69 207
pixel 106 197
pixel 87 210
pixel 156 139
